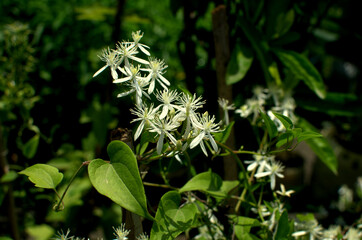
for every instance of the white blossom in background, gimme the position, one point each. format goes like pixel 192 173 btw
pixel 259 162
pixel 142 236
pixel 310 228
pixel 225 106
pixel 345 198
pixel 251 107
pixel 283 192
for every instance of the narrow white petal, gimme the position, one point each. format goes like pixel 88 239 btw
pixel 138 60
pixel 151 87
pixel 139 130
pixel 172 138
pixel 125 93
pixel 121 80
pixel 143 50
pixel 163 79
pixel 262 174
pixel 252 166
pixel 197 140
pixel 160 143
pixel 213 143
pixel 122 70
pixel 114 73
pixel 164 112
pixel 203 148
pixel 100 70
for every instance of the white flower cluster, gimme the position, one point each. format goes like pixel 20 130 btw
pixel 174 109
pixel 283 104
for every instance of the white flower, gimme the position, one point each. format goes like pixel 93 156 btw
pixel 187 106
pixel 121 233
pixel 251 107
pixel 163 127
pixel 204 130
pixel 142 236
pixel 112 60
pixel 224 104
pixel 283 192
pixel 260 161
pixel 167 97
pixel 156 70
pixel 345 198
pixel 128 51
pixel 273 170
pixel 261 93
pixel 145 115
pixel 136 38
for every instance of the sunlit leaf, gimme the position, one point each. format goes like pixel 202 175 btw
pixel 43 175
pixel 119 179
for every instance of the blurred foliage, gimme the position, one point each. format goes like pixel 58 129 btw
pixel 52 111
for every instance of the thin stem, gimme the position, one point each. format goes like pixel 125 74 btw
pixel 57 207
pixel 159 185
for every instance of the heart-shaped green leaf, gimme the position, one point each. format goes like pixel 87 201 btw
pixel 171 219
pixel 43 175
pixel 119 179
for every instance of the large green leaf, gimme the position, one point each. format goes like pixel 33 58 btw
pixel 283 229
pixel 211 183
pixel 239 64
pixel 171 219
pixel 43 175
pixel 119 179
pixel 303 69
pixel 243 225
pixel 320 146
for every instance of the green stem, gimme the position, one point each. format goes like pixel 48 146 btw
pixel 57 207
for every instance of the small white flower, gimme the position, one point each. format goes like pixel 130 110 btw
pixel 187 106
pixel 167 98
pixel 204 130
pixel 273 170
pixel 312 228
pixel 259 162
pixel 283 192
pixel 112 60
pixel 156 69
pixel 121 233
pixel 127 51
pixel 145 115
pixel 163 127
pixel 136 36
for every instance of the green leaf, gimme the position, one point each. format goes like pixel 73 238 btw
pixel 224 135
pixel 283 227
pixel 8 177
pixel 303 69
pixel 243 225
pixel 239 64
pixel 320 146
pixel 43 175
pixel 270 125
pixel 119 179
pixel 30 147
pixel 308 135
pixel 210 183
pixel 171 219
pixel 287 123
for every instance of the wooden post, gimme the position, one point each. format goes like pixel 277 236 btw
pixel 220 29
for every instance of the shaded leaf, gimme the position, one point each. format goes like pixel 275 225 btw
pixel 30 147
pixel 224 135
pixel 287 123
pixel 43 175
pixel 270 125
pixel 320 146
pixel 119 179
pixel 303 69
pixel 239 64
pixel 282 231
pixel 171 219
